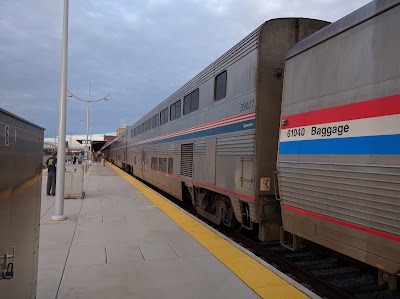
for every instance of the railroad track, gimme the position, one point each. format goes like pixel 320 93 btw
pixel 326 273
pixel 329 275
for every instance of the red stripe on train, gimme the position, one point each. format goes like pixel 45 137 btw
pixel 339 222
pixel 226 121
pixel 177 177
pixel 371 108
pixel 223 190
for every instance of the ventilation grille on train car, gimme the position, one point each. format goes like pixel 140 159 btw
pixel 187 159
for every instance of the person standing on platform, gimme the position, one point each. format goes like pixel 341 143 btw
pixel 51 165
pixel 80 158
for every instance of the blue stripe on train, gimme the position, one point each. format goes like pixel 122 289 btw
pixel 365 145
pixel 241 126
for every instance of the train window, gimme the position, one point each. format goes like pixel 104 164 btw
pixel 164 116
pixel 157 119
pixel 195 100
pixel 186 104
pixel 134 160
pixel 175 110
pixel 132 133
pixel 154 163
pixel 170 165
pixel 191 102
pixel 148 124
pixel 154 121
pixel 162 164
pixel 172 112
pixel 220 86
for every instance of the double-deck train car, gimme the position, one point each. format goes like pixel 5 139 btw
pixel 339 152
pixel 215 140
pixel 21 151
pixel 334 139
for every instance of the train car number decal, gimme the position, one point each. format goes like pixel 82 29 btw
pixel 296 132
pixel 247 105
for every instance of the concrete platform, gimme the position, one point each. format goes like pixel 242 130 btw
pixel 116 243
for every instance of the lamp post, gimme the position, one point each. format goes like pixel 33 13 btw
pixel 88 101
pixel 60 172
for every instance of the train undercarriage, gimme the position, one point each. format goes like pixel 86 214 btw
pixel 234 213
pixel 214 206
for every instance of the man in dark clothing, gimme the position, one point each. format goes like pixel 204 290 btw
pixel 51 165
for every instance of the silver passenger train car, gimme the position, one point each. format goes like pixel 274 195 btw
pixel 339 151
pixel 334 141
pixel 214 141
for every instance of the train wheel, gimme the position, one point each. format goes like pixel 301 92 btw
pixel 236 225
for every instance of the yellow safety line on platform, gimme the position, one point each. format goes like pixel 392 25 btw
pixel 264 282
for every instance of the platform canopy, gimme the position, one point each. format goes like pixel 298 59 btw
pixel 96 144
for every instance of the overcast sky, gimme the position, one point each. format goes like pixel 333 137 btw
pixel 140 51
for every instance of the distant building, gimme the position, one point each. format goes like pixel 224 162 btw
pixel 121 130
pixel 109 137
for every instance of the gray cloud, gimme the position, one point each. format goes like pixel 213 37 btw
pixel 140 51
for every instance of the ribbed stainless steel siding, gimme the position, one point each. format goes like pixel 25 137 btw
pixel 242 145
pixel 366 195
pixel 162 150
pixel 200 147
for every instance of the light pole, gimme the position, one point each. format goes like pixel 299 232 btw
pixel 87 115
pixel 60 172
